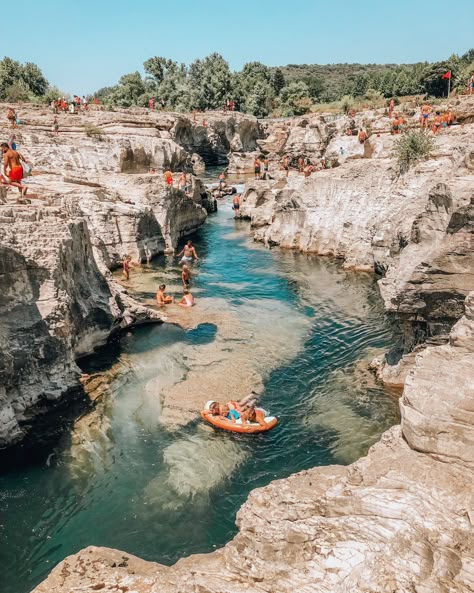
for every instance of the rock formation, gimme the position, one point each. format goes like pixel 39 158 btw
pixel 401 518
pixel 93 200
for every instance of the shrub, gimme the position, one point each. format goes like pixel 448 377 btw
pixel 93 131
pixel 411 148
pixel 347 103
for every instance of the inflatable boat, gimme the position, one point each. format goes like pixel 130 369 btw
pixel 238 425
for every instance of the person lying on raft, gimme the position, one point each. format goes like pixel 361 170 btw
pixel 161 297
pixel 254 415
pixel 187 299
pixel 232 410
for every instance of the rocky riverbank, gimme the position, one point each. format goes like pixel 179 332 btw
pixel 401 518
pixel 92 200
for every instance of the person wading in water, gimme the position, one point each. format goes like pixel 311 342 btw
pixel 236 205
pixel 187 253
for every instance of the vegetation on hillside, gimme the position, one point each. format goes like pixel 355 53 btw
pixel 256 89
pixel 412 147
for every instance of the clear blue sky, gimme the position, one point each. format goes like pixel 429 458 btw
pixel 84 45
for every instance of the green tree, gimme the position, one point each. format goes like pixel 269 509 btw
pixel 210 82
pixel 295 99
pixel 33 79
pixel 258 101
pixel 9 75
pixel 128 92
pixel 315 86
pixel 278 81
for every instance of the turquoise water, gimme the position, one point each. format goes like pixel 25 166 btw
pixel 296 324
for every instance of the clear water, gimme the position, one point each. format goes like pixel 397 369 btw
pixel 291 324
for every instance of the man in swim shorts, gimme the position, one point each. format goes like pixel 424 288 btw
pixel 286 166
pixel 187 253
pixel 236 205
pixel 12 167
pixel 424 114
pixel 257 166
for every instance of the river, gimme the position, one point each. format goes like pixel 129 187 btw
pixel 130 477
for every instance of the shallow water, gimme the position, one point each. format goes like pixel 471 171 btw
pixel 291 325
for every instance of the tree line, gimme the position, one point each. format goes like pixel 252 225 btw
pixel 256 89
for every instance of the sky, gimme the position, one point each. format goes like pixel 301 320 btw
pixel 83 46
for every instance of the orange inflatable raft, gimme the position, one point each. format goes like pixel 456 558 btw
pixel 238 425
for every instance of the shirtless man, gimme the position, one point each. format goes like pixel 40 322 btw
pixel 301 164
pixel 424 114
pixel 286 166
pixel 126 266
pixel 12 167
pixel 236 205
pixel 257 167
pixel 183 182
pixel 161 297
pixel 185 276
pixel 187 299
pixel 187 253
pixel 266 163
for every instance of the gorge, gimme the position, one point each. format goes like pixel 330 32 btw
pixel 399 519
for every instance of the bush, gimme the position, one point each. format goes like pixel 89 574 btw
pixel 411 148
pixel 347 103
pixel 93 131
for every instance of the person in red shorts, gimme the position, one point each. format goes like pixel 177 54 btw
pixel 12 167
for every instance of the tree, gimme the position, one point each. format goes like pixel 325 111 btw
pixel 315 86
pixel 278 81
pixel 128 92
pixel 210 82
pixel 258 102
pixel 9 75
pixel 33 78
pixel 295 99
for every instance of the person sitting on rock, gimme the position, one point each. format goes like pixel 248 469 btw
pixel 308 170
pixel 362 136
pixel 187 300
pixel 161 297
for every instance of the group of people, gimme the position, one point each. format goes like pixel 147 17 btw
pixel 182 180
pixel 243 411
pixel 187 255
pixel 152 103
pixel 73 106
pixel 437 121
pixel 229 105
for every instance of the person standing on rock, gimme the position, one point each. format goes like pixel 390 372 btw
pixel 55 126
pixel 257 167
pixel 424 114
pixel 13 168
pixel 285 165
pixel 183 182
pixel 185 276
pixel 187 253
pixel 168 177
pixel 266 162
pixel 11 116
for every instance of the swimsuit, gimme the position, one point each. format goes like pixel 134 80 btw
pixel 187 258
pixel 15 174
pixel 232 414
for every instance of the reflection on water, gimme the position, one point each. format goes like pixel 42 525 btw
pixel 143 473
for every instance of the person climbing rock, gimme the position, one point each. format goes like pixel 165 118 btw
pixel 13 168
